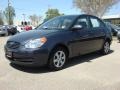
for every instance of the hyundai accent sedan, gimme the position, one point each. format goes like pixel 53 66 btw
pixel 57 40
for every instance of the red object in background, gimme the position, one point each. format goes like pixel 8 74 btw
pixel 27 28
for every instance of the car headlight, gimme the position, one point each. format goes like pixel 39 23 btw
pixel 35 43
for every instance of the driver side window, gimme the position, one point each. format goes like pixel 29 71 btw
pixel 83 22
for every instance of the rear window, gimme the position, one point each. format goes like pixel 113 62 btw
pixel 95 23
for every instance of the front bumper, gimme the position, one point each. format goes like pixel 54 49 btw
pixel 32 58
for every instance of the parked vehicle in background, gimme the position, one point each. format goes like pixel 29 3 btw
pixel 12 29
pixel 22 28
pixel 27 28
pixel 19 29
pixel 114 29
pixel 3 30
pixel 118 36
pixel 58 39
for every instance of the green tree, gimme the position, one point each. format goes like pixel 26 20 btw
pixel 94 7
pixel 1 18
pixel 51 13
pixel 35 20
pixel 9 14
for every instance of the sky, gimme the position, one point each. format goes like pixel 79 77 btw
pixel 39 7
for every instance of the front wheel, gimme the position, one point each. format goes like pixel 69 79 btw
pixel 106 48
pixel 58 59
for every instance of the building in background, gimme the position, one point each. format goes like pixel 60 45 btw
pixel 114 19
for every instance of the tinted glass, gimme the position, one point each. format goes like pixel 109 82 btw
pixel 83 22
pixel 95 23
pixel 63 22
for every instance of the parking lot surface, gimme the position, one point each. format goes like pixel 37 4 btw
pixel 89 72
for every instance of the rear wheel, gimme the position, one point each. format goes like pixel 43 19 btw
pixel 106 48
pixel 58 58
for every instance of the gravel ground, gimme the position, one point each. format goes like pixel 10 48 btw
pixel 89 72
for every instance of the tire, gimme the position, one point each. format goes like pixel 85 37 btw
pixel 58 58
pixel 106 48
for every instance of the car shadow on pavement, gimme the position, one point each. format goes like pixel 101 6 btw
pixel 33 70
pixel 71 62
pixel 85 58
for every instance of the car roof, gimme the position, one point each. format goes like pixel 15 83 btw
pixel 79 15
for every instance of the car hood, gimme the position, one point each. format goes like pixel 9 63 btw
pixel 33 34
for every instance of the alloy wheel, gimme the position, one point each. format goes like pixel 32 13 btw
pixel 106 48
pixel 59 59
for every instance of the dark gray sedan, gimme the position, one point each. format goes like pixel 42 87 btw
pixel 58 39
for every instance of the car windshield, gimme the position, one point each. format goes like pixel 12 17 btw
pixel 62 22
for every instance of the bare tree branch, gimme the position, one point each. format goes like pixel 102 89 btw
pixel 35 19
pixel 95 7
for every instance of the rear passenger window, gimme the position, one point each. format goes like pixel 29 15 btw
pixel 95 23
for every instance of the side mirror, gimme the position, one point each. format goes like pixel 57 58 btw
pixel 77 27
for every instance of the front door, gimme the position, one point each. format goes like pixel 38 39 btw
pixel 81 41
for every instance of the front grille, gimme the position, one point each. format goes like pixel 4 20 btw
pixel 13 45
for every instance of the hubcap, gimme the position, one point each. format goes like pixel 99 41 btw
pixel 59 59
pixel 106 47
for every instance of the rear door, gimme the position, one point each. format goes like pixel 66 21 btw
pixel 97 33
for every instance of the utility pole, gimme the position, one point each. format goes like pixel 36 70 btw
pixel 8 12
